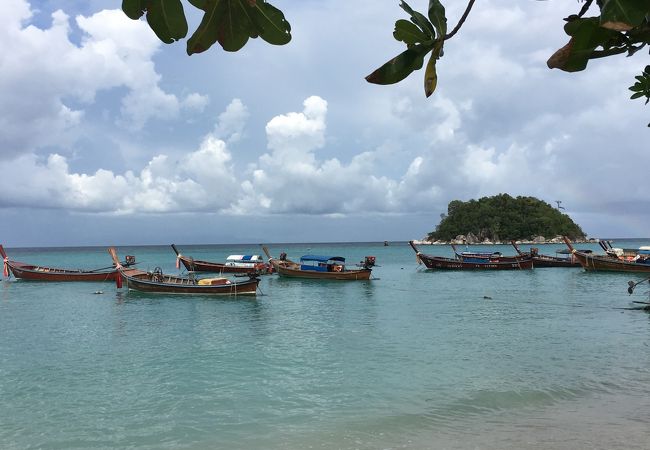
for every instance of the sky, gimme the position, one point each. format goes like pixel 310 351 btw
pixel 110 137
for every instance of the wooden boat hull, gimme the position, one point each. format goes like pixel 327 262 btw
pixel 32 272
pixel 546 260
pixel 599 263
pixel 550 261
pixel 441 263
pixel 194 265
pixel 36 273
pixel 595 263
pixel 185 286
pixel 348 275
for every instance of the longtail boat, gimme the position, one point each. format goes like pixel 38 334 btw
pixel 609 263
pixel 481 257
pixel 159 283
pixel 233 264
pixel 32 272
pixel 540 260
pixel 443 263
pixel 321 267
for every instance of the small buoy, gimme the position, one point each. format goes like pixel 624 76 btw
pixel 98 292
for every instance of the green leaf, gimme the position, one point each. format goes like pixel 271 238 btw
pixel 134 9
pixel 586 36
pixel 233 22
pixel 224 21
pixel 167 19
pixel 637 95
pixel 270 23
pixel 437 17
pixel 409 33
pixel 623 15
pixel 430 74
pixel 419 19
pixel 400 67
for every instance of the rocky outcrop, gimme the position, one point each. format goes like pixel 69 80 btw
pixel 472 239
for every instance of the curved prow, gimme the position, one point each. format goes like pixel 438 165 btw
pixel 116 261
pixel 5 262
pixel 266 252
pixel 568 244
pixel 412 244
pixel 118 266
pixel 176 250
pixel 514 244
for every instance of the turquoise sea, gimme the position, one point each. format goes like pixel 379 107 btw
pixel 544 359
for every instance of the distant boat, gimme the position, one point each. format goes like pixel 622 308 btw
pixel 233 264
pixel 327 268
pixel 546 260
pixel 157 282
pixel 320 267
pixel 479 257
pixel 385 243
pixel 442 263
pixel 610 262
pixel 34 272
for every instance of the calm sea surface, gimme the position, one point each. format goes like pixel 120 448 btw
pixel 549 358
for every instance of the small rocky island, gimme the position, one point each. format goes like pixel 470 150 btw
pixel 501 219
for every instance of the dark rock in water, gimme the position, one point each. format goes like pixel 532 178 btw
pixel 487 298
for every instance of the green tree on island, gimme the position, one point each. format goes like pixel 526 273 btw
pixel 505 218
pixel 619 27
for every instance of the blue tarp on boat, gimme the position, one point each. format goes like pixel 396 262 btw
pixel 320 258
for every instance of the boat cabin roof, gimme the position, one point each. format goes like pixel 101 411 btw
pixel 244 258
pixel 323 259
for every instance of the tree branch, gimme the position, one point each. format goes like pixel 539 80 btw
pixel 585 7
pixel 461 21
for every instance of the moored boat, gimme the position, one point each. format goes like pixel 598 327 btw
pixel 323 268
pixel 540 260
pixel 159 283
pixel 480 257
pixel 610 262
pixel 233 264
pixel 443 263
pixel 34 272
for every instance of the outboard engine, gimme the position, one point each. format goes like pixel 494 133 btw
pixel 369 262
pixel 283 256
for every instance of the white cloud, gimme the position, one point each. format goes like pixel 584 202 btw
pixel 500 121
pixel 195 102
pixel 202 180
pixel 43 74
pixel 230 125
